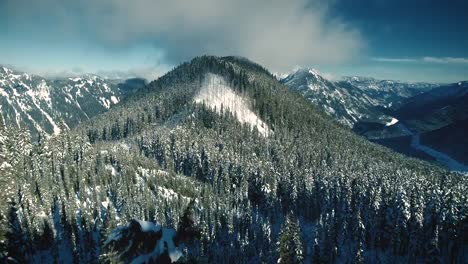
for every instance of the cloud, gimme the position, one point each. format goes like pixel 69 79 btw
pixel 444 60
pixel 148 73
pixel 279 34
pixel 379 59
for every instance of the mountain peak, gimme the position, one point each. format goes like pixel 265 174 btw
pixel 48 106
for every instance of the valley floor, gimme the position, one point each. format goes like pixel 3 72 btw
pixel 439 156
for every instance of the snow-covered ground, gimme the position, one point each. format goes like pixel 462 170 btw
pixel 392 122
pixel 164 243
pixel 217 94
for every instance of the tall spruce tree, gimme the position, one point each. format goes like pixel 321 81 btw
pixel 290 243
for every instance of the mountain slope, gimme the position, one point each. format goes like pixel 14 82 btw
pixel 391 113
pixel 437 118
pixel 357 102
pixel 50 106
pixel 168 154
pixel 451 139
pixel 436 108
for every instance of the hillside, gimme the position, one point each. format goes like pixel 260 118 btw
pixel 50 106
pixel 358 102
pixel 438 117
pixel 436 108
pixel 218 162
pixel 450 139
pixel 393 113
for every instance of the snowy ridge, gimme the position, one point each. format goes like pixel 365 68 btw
pixel 216 94
pixel 50 106
pixel 352 99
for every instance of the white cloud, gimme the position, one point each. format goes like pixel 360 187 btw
pixel 148 73
pixel 276 33
pixel 445 60
pixel 380 59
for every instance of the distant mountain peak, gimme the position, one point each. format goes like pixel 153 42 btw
pixel 353 98
pixel 48 106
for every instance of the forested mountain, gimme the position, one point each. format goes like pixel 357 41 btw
pixel 358 102
pixel 218 162
pixel 434 122
pixel 50 106
pixel 436 108
pixel 394 113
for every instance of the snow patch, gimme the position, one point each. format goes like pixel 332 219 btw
pixel 104 102
pixel 392 122
pixel 216 94
pixel 111 169
pixel 314 72
pixel 149 226
pixel 163 244
pixel 105 203
pixel 114 99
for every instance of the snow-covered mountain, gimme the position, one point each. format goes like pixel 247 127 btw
pixel 353 100
pixel 50 106
pixel 439 117
pixel 393 113
pixel 166 175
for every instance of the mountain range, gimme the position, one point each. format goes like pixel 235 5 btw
pixel 49 106
pixel 218 162
pixel 394 113
pixel 353 100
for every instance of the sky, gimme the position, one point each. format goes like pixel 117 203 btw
pixel 410 40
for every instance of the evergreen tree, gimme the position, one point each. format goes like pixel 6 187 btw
pixel 16 243
pixel 187 229
pixel 290 243
pixel 360 240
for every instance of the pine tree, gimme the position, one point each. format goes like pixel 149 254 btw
pixel 290 244
pixel 360 240
pixel 16 244
pixel 187 230
pixel 317 242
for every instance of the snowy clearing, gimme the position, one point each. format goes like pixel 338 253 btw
pixel 216 94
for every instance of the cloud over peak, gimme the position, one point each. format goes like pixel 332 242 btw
pixel 276 33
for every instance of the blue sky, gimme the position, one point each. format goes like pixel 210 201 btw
pixel 414 40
